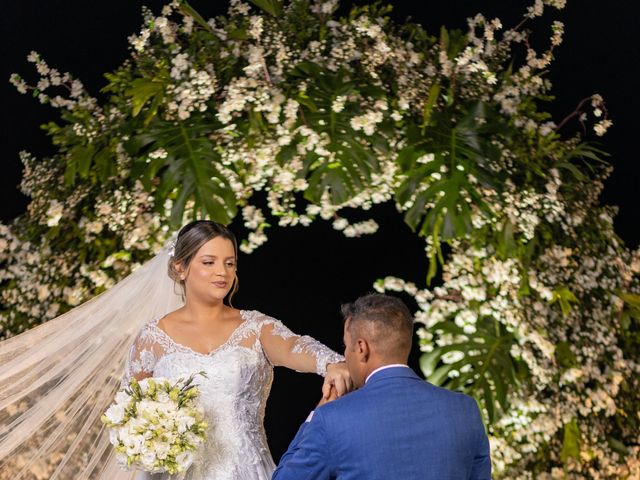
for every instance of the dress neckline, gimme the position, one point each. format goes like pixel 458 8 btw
pixel 191 350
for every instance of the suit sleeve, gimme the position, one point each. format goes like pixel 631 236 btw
pixel 481 469
pixel 308 455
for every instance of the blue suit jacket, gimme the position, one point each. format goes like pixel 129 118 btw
pixel 395 427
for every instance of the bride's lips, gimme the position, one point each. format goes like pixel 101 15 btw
pixel 220 284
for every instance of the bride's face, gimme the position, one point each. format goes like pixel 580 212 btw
pixel 211 273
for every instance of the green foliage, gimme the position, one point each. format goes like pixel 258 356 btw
pixel 272 7
pixel 565 298
pixel 571 441
pixel 187 172
pixel 485 369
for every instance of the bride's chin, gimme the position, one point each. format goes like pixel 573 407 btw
pixel 218 296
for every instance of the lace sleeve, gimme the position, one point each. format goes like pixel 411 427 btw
pixel 142 358
pixel 301 353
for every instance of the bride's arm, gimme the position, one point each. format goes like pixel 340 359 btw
pixel 304 354
pixel 142 358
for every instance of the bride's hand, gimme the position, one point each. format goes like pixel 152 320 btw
pixel 337 376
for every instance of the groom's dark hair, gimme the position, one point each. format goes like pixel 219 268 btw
pixel 384 320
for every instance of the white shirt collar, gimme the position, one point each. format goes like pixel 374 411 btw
pixel 384 367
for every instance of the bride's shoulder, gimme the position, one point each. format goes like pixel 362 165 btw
pixel 167 321
pixel 154 327
pixel 257 317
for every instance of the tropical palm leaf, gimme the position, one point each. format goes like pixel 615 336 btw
pixel 189 170
pixel 353 157
pixel 486 369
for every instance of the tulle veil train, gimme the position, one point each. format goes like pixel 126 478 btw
pixel 57 379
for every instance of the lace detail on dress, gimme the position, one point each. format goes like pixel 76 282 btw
pixel 147 361
pixel 304 345
pixel 280 329
pixel 323 354
pixel 143 355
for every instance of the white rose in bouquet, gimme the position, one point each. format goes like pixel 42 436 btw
pixel 156 426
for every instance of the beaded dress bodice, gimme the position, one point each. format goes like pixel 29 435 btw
pixel 233 393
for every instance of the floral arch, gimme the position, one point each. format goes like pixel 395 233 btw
pixel 537 312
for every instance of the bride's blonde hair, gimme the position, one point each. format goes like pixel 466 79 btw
pixel 190 238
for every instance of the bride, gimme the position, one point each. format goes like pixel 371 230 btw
pixel 57 379
pixel 237 350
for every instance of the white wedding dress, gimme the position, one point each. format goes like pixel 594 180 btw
pixel 234 392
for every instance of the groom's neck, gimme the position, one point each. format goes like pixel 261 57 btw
pixel 375 363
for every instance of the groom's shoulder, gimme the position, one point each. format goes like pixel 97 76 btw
pixel 341 406
pixel 454 399
pixel 419 389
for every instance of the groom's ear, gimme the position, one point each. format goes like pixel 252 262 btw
pixel 362 350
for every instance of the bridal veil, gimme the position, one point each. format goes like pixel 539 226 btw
pixel 57 379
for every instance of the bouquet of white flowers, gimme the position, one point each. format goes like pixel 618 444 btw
pixel 155 426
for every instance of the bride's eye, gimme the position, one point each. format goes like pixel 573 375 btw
pixel 208 263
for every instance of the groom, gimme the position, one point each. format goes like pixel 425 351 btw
pixel 396 426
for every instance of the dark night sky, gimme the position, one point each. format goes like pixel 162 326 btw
pixel 302 275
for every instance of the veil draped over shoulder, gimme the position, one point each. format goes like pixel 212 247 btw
pixel 57 379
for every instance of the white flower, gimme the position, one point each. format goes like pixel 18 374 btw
pixel 162 397
pixel 122 397
pixel 94 227
pixel 367 122
pixel 115 413
pixel 255 31
pixel 338 104
pixel 340 223
pixel 159 153
pixel 393 284
pixel 184 459
pixel 452 357
pixel 180 64
pixel 185 422
pixel 602 126
pixel 161 450
pixel 43 292
pixel 148 459
pixel 54 213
